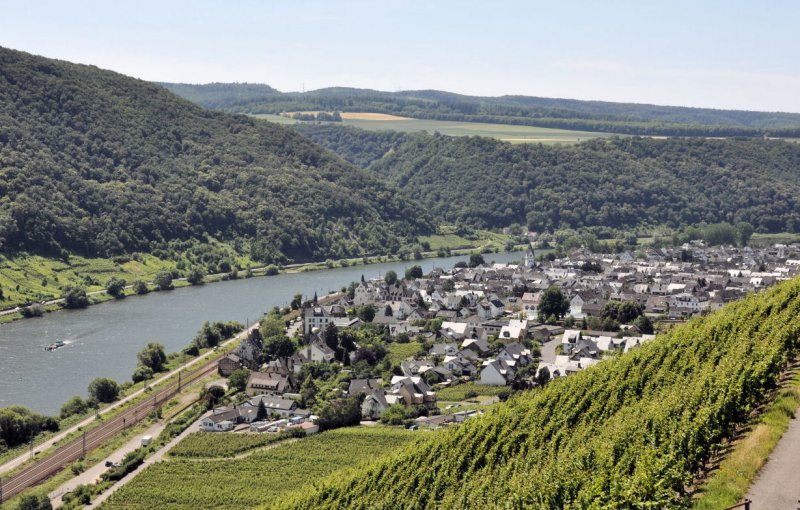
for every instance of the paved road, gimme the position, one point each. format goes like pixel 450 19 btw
pixel 71 451
pixel 92 475
pixel 549 349
pixel 156 457
pixel 777 486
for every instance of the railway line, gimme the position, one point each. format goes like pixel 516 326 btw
pixel 88 441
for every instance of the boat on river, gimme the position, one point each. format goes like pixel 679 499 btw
pixel 55 345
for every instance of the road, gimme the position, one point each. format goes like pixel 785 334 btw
pixel 778 482
pixel 549 349
pixel 156 457
pixel 74 449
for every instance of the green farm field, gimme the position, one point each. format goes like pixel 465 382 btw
pixel 506 132
pixel 259 479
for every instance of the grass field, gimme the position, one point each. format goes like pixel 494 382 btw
pixel 506 132
pixel 401 352
pixel 460 392
pixel 259 479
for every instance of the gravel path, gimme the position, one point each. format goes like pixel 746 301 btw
pixel 777 486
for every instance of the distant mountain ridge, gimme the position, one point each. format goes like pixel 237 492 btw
pixel 98 163
pixel 623 118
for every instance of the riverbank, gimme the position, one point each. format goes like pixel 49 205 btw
pixel 102 341
pixel 98 295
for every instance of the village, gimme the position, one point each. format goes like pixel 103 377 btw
pixel 488 329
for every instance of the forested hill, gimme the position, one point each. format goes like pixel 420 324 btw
pixel 603 116
pixel 631 432
pixel 617 182
pixel 98 163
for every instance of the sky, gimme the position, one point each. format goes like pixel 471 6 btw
pixel 705 53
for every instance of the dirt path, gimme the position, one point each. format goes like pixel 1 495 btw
pixel 777 486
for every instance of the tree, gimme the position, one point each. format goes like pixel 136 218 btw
pixel 212 395
pixel 413 272
pixel 340 413
pixel 140 287
pixel 543 376
pixel 104 389
pixel 554 303
pixel 391 277
pixel 75 297
pixel 32 502
pixel 261 414
pixel 272 326
pixel 645 325
pixel 238 379
pixel 2 296
pixel 153 357
pixel 195 277
pixel 278 346
pixel 116 287
pixel 367 312
pixel 163 280
pixel 141 373
pixel 297 301
pixel 75 405
pixel 744 231
pixel 476 259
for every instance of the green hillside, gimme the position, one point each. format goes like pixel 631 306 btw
pixel 602 116
pixel 629 433
pixel 619 183
pixel 96 163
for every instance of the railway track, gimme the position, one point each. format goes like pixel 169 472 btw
pixel 80 446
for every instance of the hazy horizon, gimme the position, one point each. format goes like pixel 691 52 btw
pixel 722 55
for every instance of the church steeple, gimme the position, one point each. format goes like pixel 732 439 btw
pixel 530 257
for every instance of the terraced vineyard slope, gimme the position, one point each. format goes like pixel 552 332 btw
pixel 628 433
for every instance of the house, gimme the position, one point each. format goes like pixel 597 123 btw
pixel 374 404
pixel 459 365
pixel 316 318
pixel 496 372
pixel 274 405
pixel 229 364
pixel 516 355
pixel 479 346
pixel 272 383
pixel 317 351
pixel 515 330
pixel 412 368
pixel 220 420
pixel 413 391
pixel 250 350
pixel 359 386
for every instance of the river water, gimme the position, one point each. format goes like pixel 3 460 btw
pixel 102 340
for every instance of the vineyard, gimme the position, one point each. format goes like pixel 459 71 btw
pixel 468 390
pixel 629 433
pixel 209 445
pixel 258 479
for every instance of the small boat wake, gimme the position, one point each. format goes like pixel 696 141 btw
pixel 56 345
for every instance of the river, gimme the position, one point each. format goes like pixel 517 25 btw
pixel 102 340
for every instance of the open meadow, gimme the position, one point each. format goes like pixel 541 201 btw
pixel 506 132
